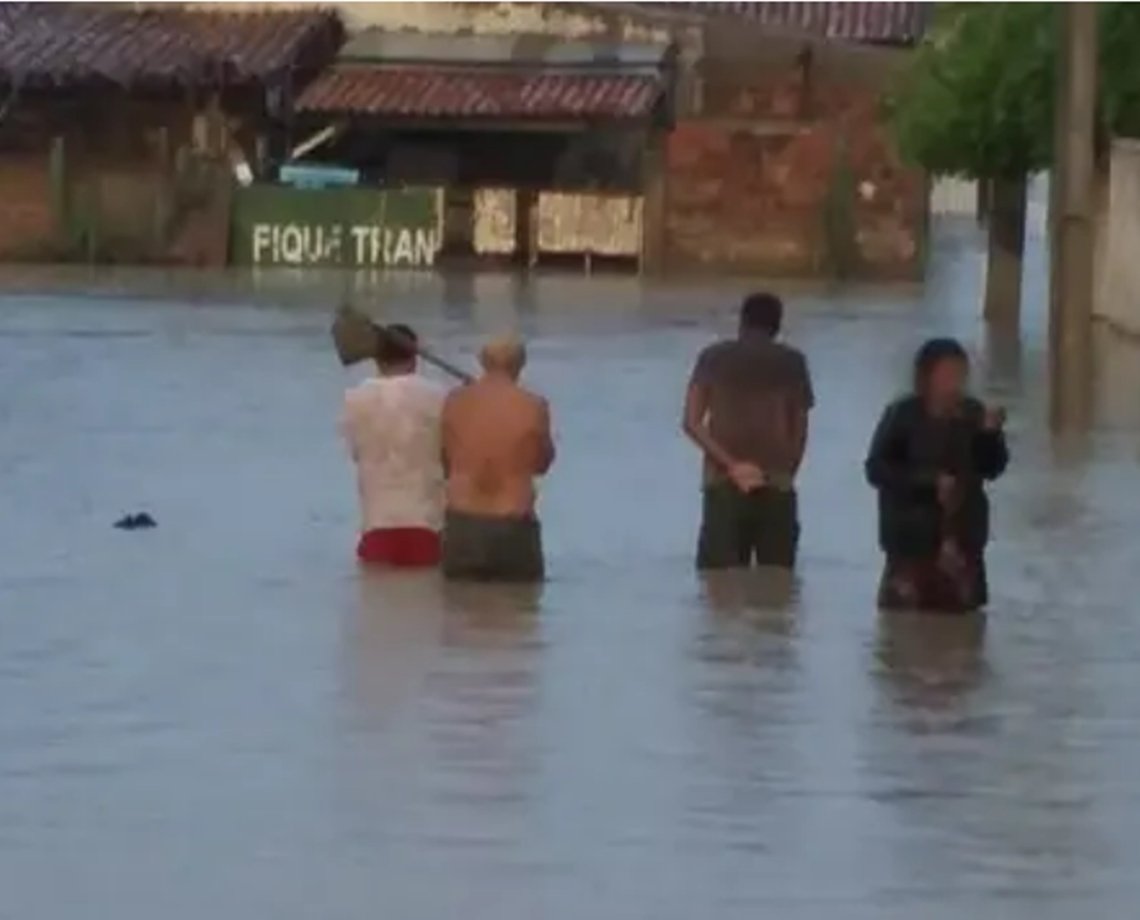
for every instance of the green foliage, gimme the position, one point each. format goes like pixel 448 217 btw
pixel 977 98
pixel 1120 68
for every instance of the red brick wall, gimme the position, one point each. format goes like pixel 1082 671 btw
pixel 25 188
pixel 748 186
pixel 125 201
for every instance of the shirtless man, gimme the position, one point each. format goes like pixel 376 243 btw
pixel 496 440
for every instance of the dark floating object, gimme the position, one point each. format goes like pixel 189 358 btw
pixel 136 522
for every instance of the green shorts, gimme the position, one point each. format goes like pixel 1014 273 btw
pixel 738 529
pixel 485 548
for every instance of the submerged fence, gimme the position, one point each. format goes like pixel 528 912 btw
pixel 368 228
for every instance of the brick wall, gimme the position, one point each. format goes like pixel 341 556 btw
pixel 123 198
pixel 25 188
pixel 119 176
pixel 757 183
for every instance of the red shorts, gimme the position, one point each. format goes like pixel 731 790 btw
pixel 405 547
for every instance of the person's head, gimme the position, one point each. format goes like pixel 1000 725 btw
pixel 941 370
pixel 396 349
pixel 761 313
pixel 503 355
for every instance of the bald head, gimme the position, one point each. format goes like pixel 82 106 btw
pixel 503 354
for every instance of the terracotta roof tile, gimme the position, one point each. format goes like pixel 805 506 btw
pixel 474 93
pixel 66 45
pixel 886 23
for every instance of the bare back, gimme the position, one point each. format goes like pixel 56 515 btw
pixel 496 440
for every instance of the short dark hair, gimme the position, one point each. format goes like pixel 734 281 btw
pixel 932 353
pixel 763 312
pixel 395 344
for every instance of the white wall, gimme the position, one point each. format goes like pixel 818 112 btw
pixel 952 197
pixel 493 19
pixel 524 16
pixel 1118 244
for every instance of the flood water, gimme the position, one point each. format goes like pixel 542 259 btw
pixel 224 718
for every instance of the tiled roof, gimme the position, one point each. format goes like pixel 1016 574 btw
pixel 886 23
pixel 480 93
pixel 69 45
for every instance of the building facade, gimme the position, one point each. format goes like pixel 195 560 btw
pixel 776 160
pixel 120 126
pixel 538 147
pixel 723 137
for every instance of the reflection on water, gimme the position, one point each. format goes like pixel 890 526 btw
pixel 750 593
pixel 478 614
pixel 225 717
pixel 932 660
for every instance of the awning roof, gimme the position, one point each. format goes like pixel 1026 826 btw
pixel 399 75
pixel 419 92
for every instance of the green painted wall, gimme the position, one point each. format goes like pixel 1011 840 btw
pixel 275 225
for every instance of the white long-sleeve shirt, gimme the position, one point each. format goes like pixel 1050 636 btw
pixel 392 428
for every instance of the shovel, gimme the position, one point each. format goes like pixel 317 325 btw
pixel 356 338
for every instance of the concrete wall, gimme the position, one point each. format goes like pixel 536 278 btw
pixel 958 198
pixel 1118 240
pixel 501 19
pixel 953 197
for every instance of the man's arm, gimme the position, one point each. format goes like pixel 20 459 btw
pixel 991 452
pixel 546 450
pixel 746 476
pixel 693 423
pixel 347 427
pixel 799 407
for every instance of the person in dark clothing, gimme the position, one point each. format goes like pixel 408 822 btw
pixel 930 457
pixel 747 410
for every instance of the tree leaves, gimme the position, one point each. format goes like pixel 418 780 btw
pixel 1120 68
pixel 977 99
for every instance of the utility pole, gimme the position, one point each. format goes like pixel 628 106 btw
pixel 1072 218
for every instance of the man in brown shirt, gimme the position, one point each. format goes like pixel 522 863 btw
pixel 747 409
pixel 496 441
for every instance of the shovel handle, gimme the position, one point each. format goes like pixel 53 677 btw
pixel 356 336
pixel 427 355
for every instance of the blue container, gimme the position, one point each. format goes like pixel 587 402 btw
pixel 313 175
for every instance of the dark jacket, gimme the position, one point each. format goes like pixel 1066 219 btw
pixel 909 450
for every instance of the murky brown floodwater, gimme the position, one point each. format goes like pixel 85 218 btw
pixel 223 718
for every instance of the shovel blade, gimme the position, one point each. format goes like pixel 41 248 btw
pixel 355 336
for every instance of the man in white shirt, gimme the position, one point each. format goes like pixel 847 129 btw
pixel 391 424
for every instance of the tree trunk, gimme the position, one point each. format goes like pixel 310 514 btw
pixel 1006 250
pixel 984 196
